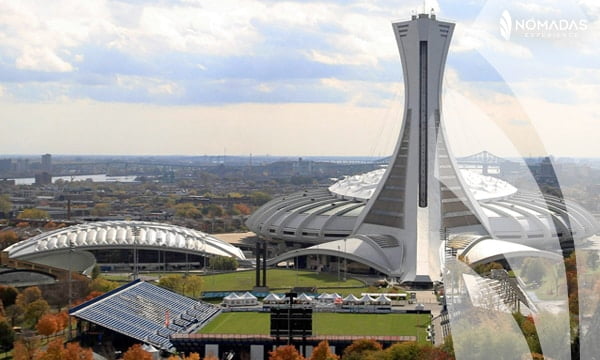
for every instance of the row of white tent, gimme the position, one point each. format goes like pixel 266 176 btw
pixel 245 299
pixel 331 298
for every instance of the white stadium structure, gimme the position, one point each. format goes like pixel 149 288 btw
pixel 406 219
pixel 54 248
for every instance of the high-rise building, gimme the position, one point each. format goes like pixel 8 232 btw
pixel 47 163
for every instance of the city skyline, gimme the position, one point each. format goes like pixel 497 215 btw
pixel 291 78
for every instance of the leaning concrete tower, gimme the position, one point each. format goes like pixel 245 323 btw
pixel 421 192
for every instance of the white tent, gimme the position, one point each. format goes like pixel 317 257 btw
pixel 351 299
pixel 365 299
pixel 304 299
pixel 232 299
pixel 248 299
pixel 383 300
pixel 323 296
pixel 272 299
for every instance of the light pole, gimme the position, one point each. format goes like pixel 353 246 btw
pixel 338 263
pixel 345 261
pixel 135 233
pixel 70 290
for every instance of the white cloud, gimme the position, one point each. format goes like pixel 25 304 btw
pixel 41 59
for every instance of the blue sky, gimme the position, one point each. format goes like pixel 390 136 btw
pixel 266 67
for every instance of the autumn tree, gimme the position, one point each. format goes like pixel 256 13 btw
pixel 192 356
pixel 323 352
pixel 73 351
pixel 54 351
pixel 7 238
pixel 7 335
pixel 47 325
pixel 286 352
pixel 28 296
pixel 62 320
pixel 242 209
pixel 33 214
pixel 360 348
pixel 136 352
pixel 14 313
pixel 25 349
pixel 8 295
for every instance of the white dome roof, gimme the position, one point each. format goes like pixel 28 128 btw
pixel 363 186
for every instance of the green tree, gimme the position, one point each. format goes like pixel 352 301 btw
pixel 213 210
pixel 223 263
pixel 101 209
pixel 187 210
pixel 7 335
pixel 95 272
pixel 173 282
pixel 35 310
pixel 193 283
pixel 259 198
pixel 102 285
pixel 33 214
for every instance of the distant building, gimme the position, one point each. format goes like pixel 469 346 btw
pixel 5 165
pixel 22 165
pixel 43 178
pixel 47 163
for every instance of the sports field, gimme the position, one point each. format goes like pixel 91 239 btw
pixel 326 324
pixel 276 278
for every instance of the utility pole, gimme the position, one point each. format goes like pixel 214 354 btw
pixel 70 290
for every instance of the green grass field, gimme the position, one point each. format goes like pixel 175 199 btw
pixel 276 278
pixel 326 324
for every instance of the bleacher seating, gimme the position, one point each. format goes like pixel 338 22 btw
pixel 139 310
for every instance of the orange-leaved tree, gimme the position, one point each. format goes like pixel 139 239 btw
pixel 359 348
pixel 56 350
pixel 47 325
pixel 286 352
pixel 75 352
pixel 136 352
pixel 322 352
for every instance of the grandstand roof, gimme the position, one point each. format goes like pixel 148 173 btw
pixel 146 312
pixel 123 234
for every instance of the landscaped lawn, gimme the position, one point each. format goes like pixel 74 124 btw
pixel 326 324
pixel 276 279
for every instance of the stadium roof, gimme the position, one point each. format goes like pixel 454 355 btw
pixel 121 234
pixel 146 312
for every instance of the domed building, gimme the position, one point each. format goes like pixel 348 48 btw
pixel 120 245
